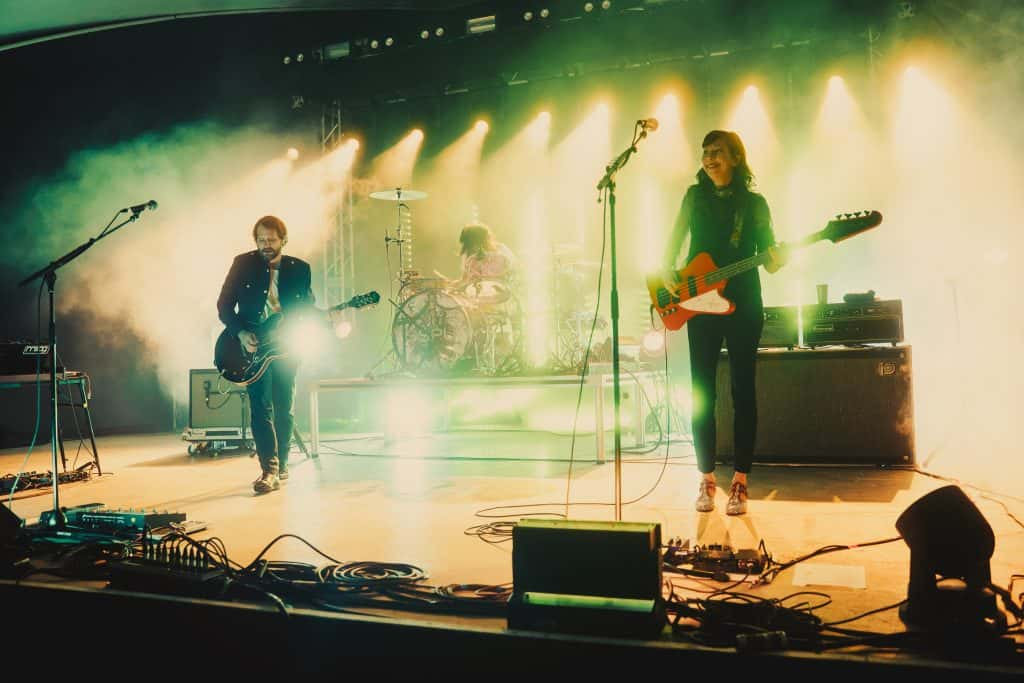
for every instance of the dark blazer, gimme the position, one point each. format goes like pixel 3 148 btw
pixel 243 297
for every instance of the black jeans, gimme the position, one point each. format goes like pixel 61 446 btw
pixel 272 403
pixel 741 332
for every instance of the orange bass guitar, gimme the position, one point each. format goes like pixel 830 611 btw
pixel 699 285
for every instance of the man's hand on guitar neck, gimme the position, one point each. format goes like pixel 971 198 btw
pixel 249 341
pixel 779 254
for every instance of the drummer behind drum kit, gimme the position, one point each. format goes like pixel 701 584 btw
pixel 442 329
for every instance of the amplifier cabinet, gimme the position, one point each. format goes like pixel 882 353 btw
pixel 826 406
pixel 215 402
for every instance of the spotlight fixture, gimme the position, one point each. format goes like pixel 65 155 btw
pixel 527 16
pixel 287 59
pixel 300 58
pixel 389 41
pixel 439 31
pixel 424 34
pixel 949 539
pixel 545 13
pixel 606 4
pixel 481 24
pixel 292 154
pixel 374 44
pixel 588 7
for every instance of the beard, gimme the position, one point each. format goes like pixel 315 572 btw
pixel 270 254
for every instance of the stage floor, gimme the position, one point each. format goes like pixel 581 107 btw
pixel 412 501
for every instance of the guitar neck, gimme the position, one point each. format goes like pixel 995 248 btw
pixel 751 262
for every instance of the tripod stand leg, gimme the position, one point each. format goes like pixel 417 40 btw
pixel 297 435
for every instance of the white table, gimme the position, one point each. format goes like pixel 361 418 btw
pixel 596 382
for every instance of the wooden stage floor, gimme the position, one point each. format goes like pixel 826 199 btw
pixel 411 501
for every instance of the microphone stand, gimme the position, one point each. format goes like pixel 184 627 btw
pixel 49 274
pixel 607 185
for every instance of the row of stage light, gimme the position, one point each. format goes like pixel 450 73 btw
pixel 748 115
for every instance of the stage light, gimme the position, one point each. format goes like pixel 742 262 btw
pixel 606 4
pixel 424 34
pixel 292 154
pixel 750 120
pixel 653 341
pixel 300 58
pixel 481 126
pixel 439 31
pixel 304 340
pixel 527 16
pixel 374 44
pixel 949 539
pixel 545 13
pixel 588 7
pixel 481 25
pixel 389 41
pixel 287 59
pixel 544 117
pixel 416 135
pixel 343 329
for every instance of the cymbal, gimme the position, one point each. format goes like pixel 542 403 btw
pixel 399 195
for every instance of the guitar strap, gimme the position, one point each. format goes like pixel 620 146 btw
pixel 739 211
pixel 738 216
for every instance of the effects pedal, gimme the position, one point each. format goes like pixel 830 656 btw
pixel 714 560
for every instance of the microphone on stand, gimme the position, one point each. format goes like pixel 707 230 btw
pixel 139 208
pixel 648 124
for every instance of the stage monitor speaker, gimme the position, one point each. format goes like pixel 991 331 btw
pixel 601 578
pixel 835 406
pixel 215 402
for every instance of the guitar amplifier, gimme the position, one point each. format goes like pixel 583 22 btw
pixel 848 323
pixel 215 403
pixel 826 406
pixel 781 328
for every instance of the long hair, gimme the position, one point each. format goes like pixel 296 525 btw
pixel 476 239
pixel 742 171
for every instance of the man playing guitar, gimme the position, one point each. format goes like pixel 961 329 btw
pixel 262 288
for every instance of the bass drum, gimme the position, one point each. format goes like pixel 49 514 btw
pixel 431 332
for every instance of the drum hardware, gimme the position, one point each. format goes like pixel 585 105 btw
pixel 474 329
pixel 401 238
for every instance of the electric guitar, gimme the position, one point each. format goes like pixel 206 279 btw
pixel 701 282
pixel 237 365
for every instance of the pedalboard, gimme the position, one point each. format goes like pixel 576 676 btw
pixel 713 561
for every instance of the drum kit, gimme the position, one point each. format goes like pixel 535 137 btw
pixel 574 294
pixel 442 327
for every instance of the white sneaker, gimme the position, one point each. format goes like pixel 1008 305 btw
pixel 706 496
pixel 737 504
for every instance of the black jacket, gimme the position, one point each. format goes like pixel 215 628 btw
pixel 243 297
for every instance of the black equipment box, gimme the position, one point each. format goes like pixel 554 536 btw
pixel 21 358
pixel 853 323
pixel 781 327
pixel 601 578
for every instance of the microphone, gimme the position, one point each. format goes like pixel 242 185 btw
pixel 648 124
pixel 139 208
